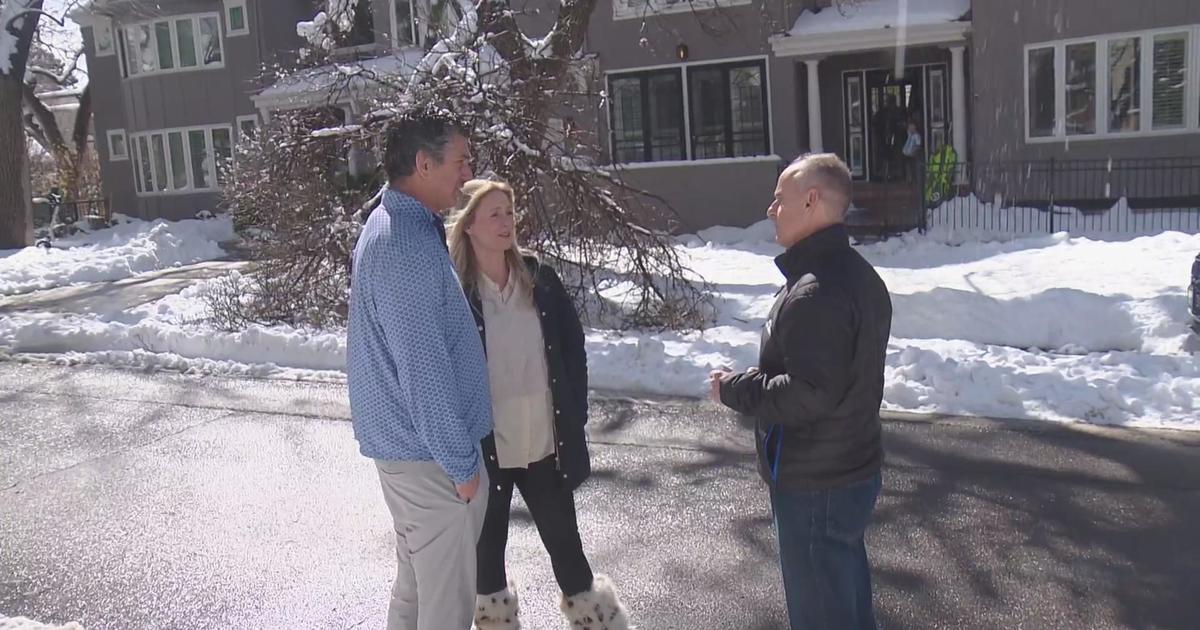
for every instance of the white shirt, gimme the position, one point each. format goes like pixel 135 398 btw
pixel 522 405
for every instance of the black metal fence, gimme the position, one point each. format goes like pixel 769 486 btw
pixel 1083 197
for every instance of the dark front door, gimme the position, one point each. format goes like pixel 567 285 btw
pixel 880 106
pixel 892 104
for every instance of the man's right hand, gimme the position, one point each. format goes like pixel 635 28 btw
pixel 466 491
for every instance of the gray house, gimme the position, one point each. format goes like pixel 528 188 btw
pixel 707 99
pixel 708 121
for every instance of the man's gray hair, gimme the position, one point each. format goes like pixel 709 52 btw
pixel 828 172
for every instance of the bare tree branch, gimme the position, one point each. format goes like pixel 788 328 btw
pixel 62 78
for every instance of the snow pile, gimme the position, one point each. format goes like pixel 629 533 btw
pixel 127 249
pixel 22 623
pixel 1050 327
pixel 172 333
pixel 1122 388
pixel 876 14
pixel 1067 320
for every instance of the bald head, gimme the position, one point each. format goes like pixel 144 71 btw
pixel 829 175
pixel 812 194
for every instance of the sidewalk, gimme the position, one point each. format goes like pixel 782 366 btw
pixel 107 297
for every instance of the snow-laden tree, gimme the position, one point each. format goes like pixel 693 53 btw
pixel 302 189
pixel 54 76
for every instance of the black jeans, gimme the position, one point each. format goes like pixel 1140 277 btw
pixel 553 511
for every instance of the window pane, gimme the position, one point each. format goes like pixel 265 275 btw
pixel 856 155
pixel 1041 93
pixel 362 28
pixel 1081 89
pixel 246 129
pixel 179 177
pixel 746 105
pixel 210 40
pixel 854 102
pixel 666 117
pixel 104 38
pixel 709 123
pixel 144 164
pixel 222 145
pixel 187 43
pixel 443 20
pixel 404 23
pixel 160 161
pixel 1170 79
pixel 162 35
pixel 237 18
pixel 1125 84
pixel 116 146
pixel 143 49
pixel 200 161
pixel 137 165
pixel 937 97
pixel 627 120
pixel 122 50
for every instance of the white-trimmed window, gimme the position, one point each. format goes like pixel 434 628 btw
pixel 690 112
pixel 118 149
pixel 422 23
pixel 404 24
pixel 180 161
pixel 247 126
pixel 175 44
pixel 102 38
pixel 237 19
pixel 1120 85
pixel 638 9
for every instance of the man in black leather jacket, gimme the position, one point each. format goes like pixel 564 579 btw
pixel 815 396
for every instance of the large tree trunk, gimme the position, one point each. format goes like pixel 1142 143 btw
pixel 16 213
pixel 18 21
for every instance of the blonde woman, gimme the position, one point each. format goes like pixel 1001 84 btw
pixel 538 372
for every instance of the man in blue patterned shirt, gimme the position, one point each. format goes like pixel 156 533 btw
pixel 419 393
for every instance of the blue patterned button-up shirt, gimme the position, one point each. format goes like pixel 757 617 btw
pixel 416 368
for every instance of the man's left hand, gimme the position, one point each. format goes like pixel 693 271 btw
pixel 714 382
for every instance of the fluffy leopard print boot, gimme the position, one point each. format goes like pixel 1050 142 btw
pixel 498 611
pixel 596 609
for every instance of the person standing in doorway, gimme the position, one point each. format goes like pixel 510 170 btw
pixel 913 151
pixel 815 396
pixel 419 397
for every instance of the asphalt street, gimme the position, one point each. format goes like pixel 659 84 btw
pixel 132 500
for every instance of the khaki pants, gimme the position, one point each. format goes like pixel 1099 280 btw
pixel 436 533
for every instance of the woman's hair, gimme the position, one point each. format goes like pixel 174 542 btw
pixel 462 253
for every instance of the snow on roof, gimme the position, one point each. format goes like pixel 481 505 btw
pixel 318 81
pixel 879 14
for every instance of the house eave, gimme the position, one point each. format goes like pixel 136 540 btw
pixel 946 33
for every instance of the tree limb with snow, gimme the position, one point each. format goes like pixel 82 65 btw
pixel 298 197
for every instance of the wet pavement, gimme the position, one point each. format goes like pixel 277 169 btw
pixel 131 500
